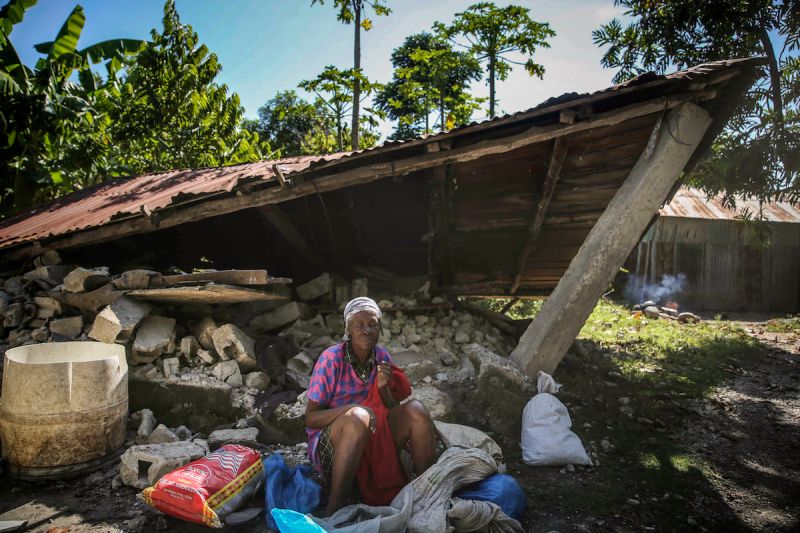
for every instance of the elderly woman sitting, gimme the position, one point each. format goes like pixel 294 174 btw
pixel 339 426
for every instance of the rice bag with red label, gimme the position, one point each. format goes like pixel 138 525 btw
pixel 207 490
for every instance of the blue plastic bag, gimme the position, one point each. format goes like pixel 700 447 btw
pixel 293 522
pixel 501 489
pixel 288 488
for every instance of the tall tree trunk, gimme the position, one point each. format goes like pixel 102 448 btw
pixel 774 80
pixel 357 5
pixel 491 86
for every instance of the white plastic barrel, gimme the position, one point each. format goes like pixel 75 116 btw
pixel 63 407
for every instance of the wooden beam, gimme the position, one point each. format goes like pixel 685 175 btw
pixel 609 242
pixel 557 157
pixel 219 204
pixel 279 175
pixel 228 277
pixel 286 229
pixel 210 294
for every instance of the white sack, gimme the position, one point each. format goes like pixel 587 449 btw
pixel 546 436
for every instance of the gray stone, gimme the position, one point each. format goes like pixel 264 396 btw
pixel 688 318
pixel 438 403
pixel 257 380
pixel 360 287
pixel 183 433
pixel 13 315
pixel 316 288
pixel 285 314
pixel 118 320
pixel 155 336
pixel 448 358
pixel 299 368
pixel 466 370
pixel 231 342
pixel 70 327
pixel 134 279
pixel 48 307
pixel 146 426
pixel 228 371
pixel 207 357
pixel 462 337
pixel 171 365
pixel 51 274
pixel 246 437
pixel 203 331
pixel 40 334
pixel 162 434
pixel 142 466
pixel 188 347
pixel 651 311
pixel 82 279
pixel 48 258
pixel 468 437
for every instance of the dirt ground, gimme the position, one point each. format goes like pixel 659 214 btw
pixel 667 461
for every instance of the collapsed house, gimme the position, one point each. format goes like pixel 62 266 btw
pixel 547 201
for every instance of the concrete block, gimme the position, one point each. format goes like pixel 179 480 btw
pixel 161 435
pixel 82 279
pixel 146 426
pixel 188 347
pixel 257 380
pixel 142 466
pixel 203 331
pixel 207 357
pixel 171 365
pixel 438 403
pixel 228 371
pixel 118 320
pixel 231 342
pixel 245 437
pixel 316 288
pixel 155 336
pixel 286 314
pixel 134 279
pixel 70 327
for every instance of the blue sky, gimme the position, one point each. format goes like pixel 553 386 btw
pixel 266 46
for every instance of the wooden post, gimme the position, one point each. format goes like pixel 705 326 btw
pixel 550 335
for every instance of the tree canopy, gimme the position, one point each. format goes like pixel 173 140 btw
pixel 757 153
pixel 493 33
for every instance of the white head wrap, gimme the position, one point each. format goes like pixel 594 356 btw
pixel 356 305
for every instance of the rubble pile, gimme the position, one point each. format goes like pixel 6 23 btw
pixel 234 350
pixel 667 311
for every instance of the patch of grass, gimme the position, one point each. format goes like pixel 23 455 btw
pixel 790 324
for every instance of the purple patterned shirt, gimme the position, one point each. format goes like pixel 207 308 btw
pixel 334 383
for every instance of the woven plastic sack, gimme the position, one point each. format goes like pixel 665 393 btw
pixel 546 436
pixel 207 490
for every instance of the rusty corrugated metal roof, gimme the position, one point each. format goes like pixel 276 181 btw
pixel 136 196
pixel 694 203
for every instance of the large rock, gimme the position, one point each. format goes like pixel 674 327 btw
pixel 47 307
pixel 154 337
pixel 417 366
pixel 245 437
pixel 134 279
pixel 188 347
pixel 316 288
pixel 501 391
pixel 162 434
pixel 232 343
pixel 82 279
pixel 228 371
pixel 142 466
pixel 70 327
pixel 51 274
pixel 468 437
pixel 285 314
pixel 257 380
pixel 438 403
pixel 118 320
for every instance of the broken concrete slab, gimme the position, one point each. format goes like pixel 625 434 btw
pixel 231 342
pixel 257 380
pixel 245 437
pixel 142 466
pixel 188 347
pixel 228 371
pixel 206 356
pixel 83 279
pixel 203 331
pixel 162 434
pixel 51 274
pixel 438 403
pixel 70 327
pixel 155 336
pixel 285 314
pixel 118 320
pixel 299 368
pixel 316 288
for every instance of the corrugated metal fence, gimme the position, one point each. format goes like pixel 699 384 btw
pixel 728 264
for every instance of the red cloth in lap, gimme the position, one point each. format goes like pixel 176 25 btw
pixel 381 476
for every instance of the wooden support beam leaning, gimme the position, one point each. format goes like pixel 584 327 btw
pixel 557 157
pixel 548 338
pixel 286 229
pixel 220 204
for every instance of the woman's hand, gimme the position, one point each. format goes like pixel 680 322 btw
pixel 384 375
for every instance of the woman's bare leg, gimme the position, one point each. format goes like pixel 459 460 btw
pixel 411 423
pixel 349 435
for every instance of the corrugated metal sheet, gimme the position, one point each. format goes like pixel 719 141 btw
pixel 148 193
pixel 694 203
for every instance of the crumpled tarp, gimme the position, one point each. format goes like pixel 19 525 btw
pixel 424 504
